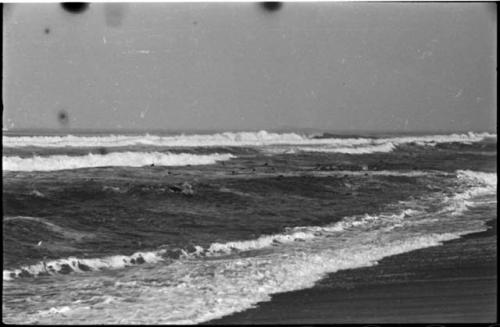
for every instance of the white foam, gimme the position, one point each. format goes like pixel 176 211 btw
pixel 475 184
pixel 124 159
pixel 478 178
pixel 261 138
pixel 360 149
pixel 206 290
pixel 80 265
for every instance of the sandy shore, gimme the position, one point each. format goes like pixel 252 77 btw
pixel 453 283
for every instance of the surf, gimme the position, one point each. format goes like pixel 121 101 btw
pixel 235 139
pixel 115 159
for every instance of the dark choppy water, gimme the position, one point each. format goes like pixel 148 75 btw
pixel 188 228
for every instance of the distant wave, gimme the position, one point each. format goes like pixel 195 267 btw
pixel 230 139
pixel 124 159
pixel 360 149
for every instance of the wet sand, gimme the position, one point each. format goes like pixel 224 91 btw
pixel 452 283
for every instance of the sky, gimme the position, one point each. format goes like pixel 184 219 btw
pixel 339 67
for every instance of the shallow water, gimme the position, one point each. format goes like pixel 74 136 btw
pixel 186 241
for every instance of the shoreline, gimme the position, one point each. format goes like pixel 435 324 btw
pixel 455 282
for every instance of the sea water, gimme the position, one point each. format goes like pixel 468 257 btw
pixel 154 228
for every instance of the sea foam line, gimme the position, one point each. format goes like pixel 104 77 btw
pixel 123 159
pixel 291 235
pixel 261 138
pixel 197 296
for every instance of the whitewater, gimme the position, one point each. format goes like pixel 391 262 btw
pixel 229 139
pixel 266 142
pixel 117 159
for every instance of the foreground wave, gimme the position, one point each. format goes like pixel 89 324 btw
pixel 475 184
pixel 128 159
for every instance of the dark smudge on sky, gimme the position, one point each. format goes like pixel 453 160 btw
pixel 271 6
pixel 75 7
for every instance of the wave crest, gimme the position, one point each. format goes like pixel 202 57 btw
pixel 228 139
pixel 123 159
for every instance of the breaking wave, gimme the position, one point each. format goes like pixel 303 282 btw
pixel 124 159
pixel 360 149
pixel 475 184
pixel 289 236
pixel 230 139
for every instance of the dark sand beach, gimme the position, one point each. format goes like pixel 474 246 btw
pixel 452 283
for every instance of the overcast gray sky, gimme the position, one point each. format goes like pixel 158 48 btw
pixel 232 66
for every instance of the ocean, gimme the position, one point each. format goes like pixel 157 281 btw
pixel 181 229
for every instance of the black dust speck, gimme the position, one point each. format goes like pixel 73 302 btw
pixel 271 5
pixel 75 7
pixel 63 117
pixel 102 151
pixel 46 30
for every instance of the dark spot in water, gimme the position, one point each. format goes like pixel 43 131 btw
pixel 50 267
pixel 191 249
pixel 271 6
pixel 65 269
pixel 12 275
pixel 83 267
pixel 132 261
pixel 175 188
pixel 140 260
pixel 173 254
pixel 46 30
pixel 73 263
pixel 63 117
pixel 280 176
pixel 24 273
pixel 75 7
pixel 102 151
